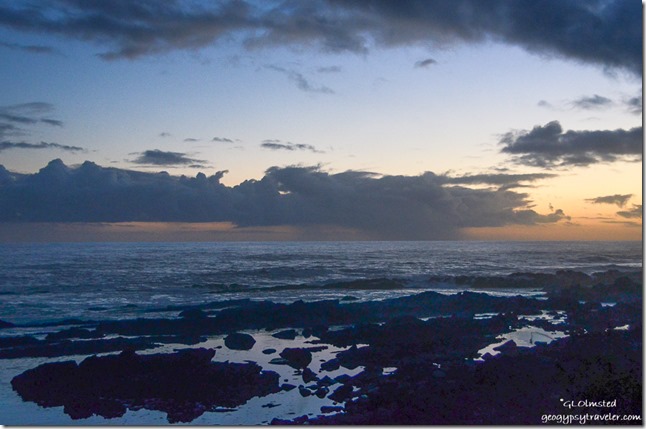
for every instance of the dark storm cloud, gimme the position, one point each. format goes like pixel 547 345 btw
pixel 602 32
pixel 385 207
pixel 619 200
pixel 548 146
pixel 634 213
pixel 168 159
pixel 425 63
pixel 301 82
pixel 6 145
pixel 130 28
pixel 592 102
pixel 279 145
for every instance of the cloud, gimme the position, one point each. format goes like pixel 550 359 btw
pixel 619 200
pixel 505 181
pixel 6 145
pixel 634 213
pixel 596 102
pixel 221 140
pixel 605 33
pixel 329 69
pixel 165 134
pixel 634 105
pixel 133 28
pixel 52 122
pixel 28 113
pixel 380 207
pixel 624 223
pixel 190 140
pixel 168 159
pixel 425 63
pixel 278 145
pixel 592 102
pixel 15 119
pixel 548 146
pixel 32 49
pixel 301 82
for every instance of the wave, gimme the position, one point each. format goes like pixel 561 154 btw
pixel 516 280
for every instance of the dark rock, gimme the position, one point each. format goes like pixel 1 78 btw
pixel 342 393
pixel 279 361
pixel 287 387
pixel 74 333
pixel 315 349
pixel 309 376
pixel 183 384
pixel 438 373
pixel 269 351
pixel 239 341
pixel 322 392
pixel 193 314
pixel 319 330
pixel 326 381
pixel 327 409
pixel 43 348
pixel 288 334
pixel 24 340
pixel 595 366
pixel 342 378
pixel 304 392
pixel 4 324
pixel 297 358
pixel 331 365
pixel 297 421
pixel 508 347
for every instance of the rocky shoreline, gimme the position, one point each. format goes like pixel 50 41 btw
pixel 416 359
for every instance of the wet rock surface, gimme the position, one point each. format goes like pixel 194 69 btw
pixel 184 384
pixel 298 358
pixel 239 341
pixel 288 334
pixel 507 389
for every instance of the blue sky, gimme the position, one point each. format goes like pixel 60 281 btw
pixel 392 88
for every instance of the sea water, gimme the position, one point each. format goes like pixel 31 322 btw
pixel 96 281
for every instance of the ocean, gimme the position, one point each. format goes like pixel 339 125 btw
pixel 42 283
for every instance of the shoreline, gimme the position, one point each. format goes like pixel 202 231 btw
pixel 348 356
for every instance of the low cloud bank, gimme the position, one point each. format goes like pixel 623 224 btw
pixel 384 207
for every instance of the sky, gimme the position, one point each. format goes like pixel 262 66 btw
pixel 136 120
